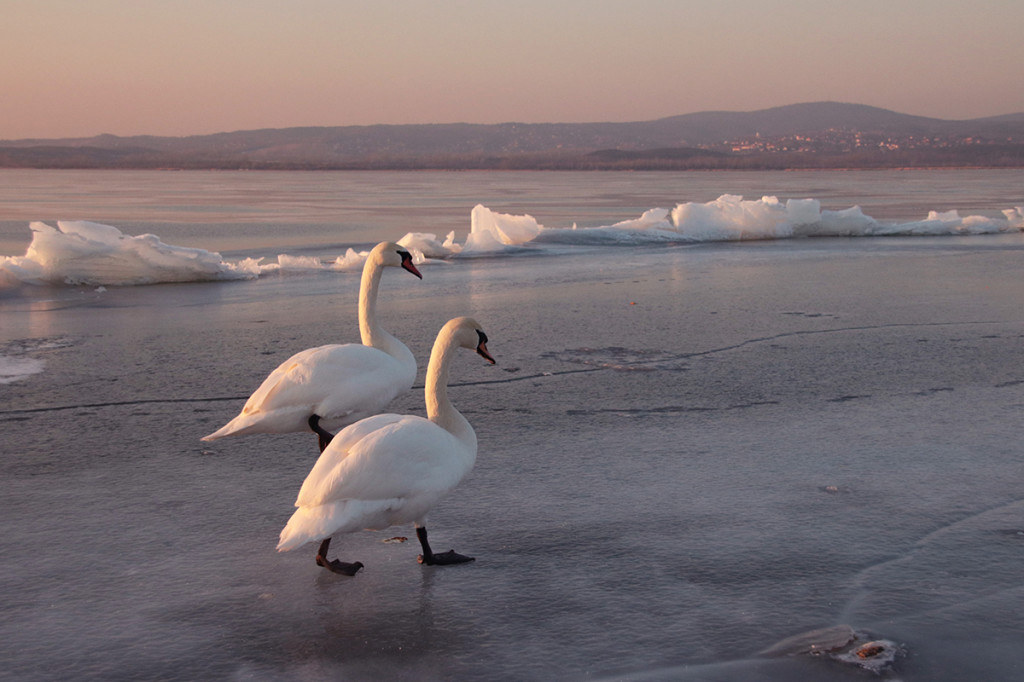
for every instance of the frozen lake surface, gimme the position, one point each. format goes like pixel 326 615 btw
pixel 689 452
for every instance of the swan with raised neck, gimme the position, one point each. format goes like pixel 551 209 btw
pixel 333 385
pixel 391 469
pixel 371 333
pixel 461 332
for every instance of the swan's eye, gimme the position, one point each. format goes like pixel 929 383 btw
pixel 483 337
pixel 404 255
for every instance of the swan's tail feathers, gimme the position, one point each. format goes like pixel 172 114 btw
pixel 277 421
pixel 239 426
pixel 311 523
pixel 235 427
pixel 219 433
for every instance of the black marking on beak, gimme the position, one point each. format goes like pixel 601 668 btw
pixel 481 348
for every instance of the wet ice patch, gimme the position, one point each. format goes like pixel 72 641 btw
pixel 840 643
pixel 12 368
pixel 878 655
pixel 16 362
pixel 814 642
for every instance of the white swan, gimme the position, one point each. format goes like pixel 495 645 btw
pixel 391 468
pixel 329 386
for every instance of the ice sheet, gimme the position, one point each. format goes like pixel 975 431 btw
pixel 687 454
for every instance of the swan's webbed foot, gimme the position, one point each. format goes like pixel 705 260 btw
pixel 334 565
pixel 339 567
pixel 428 558
pixel 323 435
pixel 444 558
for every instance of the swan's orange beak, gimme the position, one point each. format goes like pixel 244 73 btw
pixel 481 350
pixel 481 347
pixel 407 264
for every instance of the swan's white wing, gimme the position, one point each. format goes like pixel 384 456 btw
pixel 380 471
pixel 335 381
pixel 286 377
pixel 390 469
pixel 386 457
pixel 339 382
pixel 365 383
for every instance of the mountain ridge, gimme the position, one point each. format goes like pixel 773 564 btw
pixel 841 133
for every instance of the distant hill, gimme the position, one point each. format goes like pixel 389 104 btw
pixel 812 135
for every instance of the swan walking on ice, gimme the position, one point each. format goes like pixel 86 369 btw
pixel 391 468
pixel 330 386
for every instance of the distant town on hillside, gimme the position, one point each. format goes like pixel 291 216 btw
pixel 817 135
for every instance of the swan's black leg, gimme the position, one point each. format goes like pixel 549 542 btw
pixel 324 435
pixel 335 566
pixel 443 559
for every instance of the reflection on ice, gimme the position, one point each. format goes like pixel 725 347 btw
pixel 79 252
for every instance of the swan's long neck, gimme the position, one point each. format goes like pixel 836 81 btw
pixel 439 408
pixel 370 331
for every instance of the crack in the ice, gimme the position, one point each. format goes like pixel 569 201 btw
pixel 810 332
pixel 117 403
pixel 624 365
pixel 668 409
pixel 861 578
pixel 847 398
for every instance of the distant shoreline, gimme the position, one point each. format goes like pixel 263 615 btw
pixel 810 136
pixel 226 169
pixel 576 164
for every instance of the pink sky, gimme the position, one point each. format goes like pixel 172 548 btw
pixel 79 68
